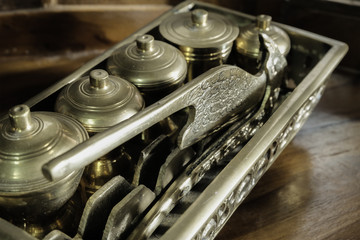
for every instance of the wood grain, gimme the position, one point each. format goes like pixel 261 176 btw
pixel 312 191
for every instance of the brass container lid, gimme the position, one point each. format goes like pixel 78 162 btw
pixel 99 100
pixel 27 141
pixel 248 42
pixel 200 29
pixel 149 64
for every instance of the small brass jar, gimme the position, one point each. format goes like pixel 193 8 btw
pixel 154 67
pixel 100 101
pixel 248 46
pixel 205 38
pixel 27 141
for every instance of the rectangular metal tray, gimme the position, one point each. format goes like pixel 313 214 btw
pixel 311 60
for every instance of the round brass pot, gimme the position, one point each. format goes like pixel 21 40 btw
pixel 205 38
pixel 27 141
pixel 248 46
pixel 99 101
pixel 154 67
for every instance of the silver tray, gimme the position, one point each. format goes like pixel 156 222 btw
pixel 230 172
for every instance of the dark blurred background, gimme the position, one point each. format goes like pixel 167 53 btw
pixel 41 41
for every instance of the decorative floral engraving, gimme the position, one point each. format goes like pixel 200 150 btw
pixel 235 198
pixel 236 137
pixel 227 83
pixel 226 92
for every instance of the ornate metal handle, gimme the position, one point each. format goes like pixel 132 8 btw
pixel 214 96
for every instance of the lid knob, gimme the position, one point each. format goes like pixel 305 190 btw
pixel 98 78
pixel 199 17
pixel 263 21
pixel 20 118
pixel 145 43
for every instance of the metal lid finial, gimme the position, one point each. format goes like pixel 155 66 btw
pixel 145 43
pixel 263 21
pixel 98 78
pixel 20 118
pixel 199 17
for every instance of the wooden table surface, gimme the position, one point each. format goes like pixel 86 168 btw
pixel 312 191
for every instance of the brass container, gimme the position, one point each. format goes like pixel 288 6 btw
pixel 28 141
pixel 205 38
pixel 96 174
pixel 248 46
pixel 154 67
pixel 66 219
pixel 100 101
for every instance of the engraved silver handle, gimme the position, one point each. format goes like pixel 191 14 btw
pixel 214 96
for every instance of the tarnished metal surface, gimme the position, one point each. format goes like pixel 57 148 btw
pixel 230 140
pixel 200 29
pixel 155 67
pixel 126 213
pixel 11 232
pixel 99 206
pixel 150 160
pixel 197 172
pixel 27 140
pixel 57 235
pixel 248 42
pixel 235 137
pixel 239 84
pixel 205 38
pixel 99 100
pixel 173 166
